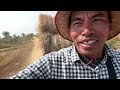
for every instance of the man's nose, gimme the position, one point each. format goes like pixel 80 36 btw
pixel 87 30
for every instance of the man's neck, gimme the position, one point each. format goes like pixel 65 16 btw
pixel 91 61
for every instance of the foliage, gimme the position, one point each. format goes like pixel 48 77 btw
pixel 50 40
pixel 6 34
pixel 114 42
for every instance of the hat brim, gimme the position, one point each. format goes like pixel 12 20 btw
pixel 62 21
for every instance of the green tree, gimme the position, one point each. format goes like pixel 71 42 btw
pixel 6 34
pixel 30 35
pixel 14 36
pixel 23 35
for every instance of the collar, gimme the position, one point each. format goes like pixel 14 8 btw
pixel 75 57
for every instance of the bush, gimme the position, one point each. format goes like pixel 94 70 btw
pixel 114 42
pixel 49 38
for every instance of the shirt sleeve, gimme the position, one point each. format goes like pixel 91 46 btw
pixel 38 70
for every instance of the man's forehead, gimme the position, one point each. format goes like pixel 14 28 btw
pixel 89 13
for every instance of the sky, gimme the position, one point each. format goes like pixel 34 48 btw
pixel 17 22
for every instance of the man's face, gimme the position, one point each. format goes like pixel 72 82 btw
pixel 89 31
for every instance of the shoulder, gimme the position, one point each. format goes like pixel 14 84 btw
pixel 61 52
pixel 55 56
pixel 114 52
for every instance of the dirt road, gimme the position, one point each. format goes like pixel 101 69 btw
pixel 14 60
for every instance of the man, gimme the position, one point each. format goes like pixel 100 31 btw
pixel 89 57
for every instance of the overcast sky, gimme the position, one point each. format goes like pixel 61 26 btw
pixel 17 22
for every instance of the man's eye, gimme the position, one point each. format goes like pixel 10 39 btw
pixel 97 20
pixel 78 23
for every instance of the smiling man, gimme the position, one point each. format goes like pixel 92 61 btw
pixel 89 57
pixel 89 31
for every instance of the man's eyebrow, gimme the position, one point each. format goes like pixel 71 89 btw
pixel 76 19
pixel 98 15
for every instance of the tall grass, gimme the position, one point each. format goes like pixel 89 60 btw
pixel 50 40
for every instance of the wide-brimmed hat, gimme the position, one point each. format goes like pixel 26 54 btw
pixel 62 22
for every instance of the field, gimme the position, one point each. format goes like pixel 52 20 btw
pixel 16 57
pixel 17 52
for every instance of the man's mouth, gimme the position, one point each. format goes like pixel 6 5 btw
pixel 89 42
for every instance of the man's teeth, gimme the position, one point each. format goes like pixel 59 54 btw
pixel 89 42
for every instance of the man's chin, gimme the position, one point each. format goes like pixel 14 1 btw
pixel 86 53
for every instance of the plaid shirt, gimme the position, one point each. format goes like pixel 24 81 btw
pixel 66 64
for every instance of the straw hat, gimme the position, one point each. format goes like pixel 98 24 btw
pixel 62 20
